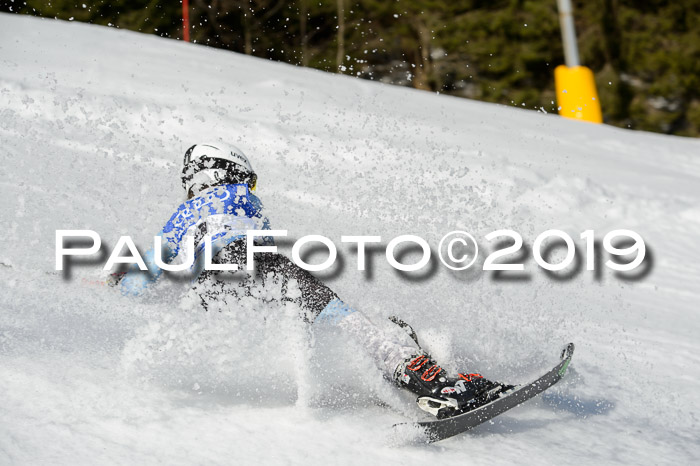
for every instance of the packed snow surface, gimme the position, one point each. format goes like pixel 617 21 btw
pixel 93 125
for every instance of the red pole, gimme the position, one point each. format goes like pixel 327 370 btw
pixel 186 20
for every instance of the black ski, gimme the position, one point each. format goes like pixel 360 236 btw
pixel 441 429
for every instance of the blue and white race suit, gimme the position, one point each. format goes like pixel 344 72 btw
pixel 223 213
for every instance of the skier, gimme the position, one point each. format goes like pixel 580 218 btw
pixel 219 182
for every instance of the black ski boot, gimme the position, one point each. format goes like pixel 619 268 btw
pixel 444 396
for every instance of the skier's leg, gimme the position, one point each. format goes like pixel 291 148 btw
pixel 406 365
pixel 438 393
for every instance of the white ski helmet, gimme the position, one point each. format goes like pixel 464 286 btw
pixel 212 164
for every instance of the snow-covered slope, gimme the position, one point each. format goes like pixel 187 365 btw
pixel 94 123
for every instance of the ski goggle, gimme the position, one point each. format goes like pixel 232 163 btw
pixel 234 172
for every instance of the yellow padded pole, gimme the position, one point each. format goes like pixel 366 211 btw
pixel 576 93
